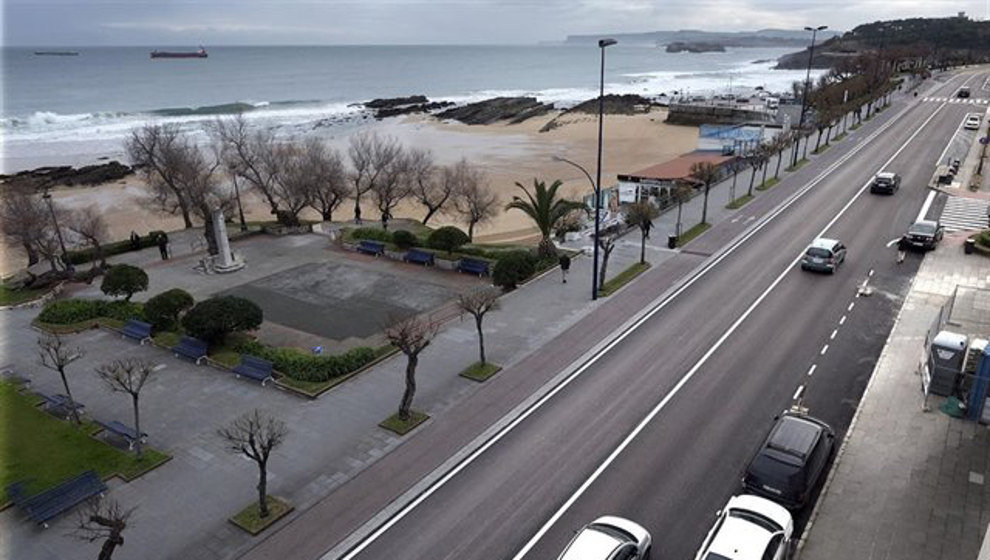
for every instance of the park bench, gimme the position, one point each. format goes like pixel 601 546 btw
pixel 60 404
pixel 190 347
pixel 254 368
pixel 373 248
pixel 124 432
pixel 419 256
pixel 138 330
pixel 473 266
pixel 44 506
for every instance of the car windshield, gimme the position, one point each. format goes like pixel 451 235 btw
pixel 922 228
pixel 756 519
pixel 884 180
pixel 819 252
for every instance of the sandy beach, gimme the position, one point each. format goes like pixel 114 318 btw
pixel 509 154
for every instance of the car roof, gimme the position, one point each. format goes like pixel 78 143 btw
pixel 973 118
pixel 794 436
pixel 739 539
pixel 931 223
pixel 764 507
pixel 824 243
pixel 592 543
pixel 886 175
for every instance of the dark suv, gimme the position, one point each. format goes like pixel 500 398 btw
pixel 963 92
pixel 923 234
pixel 791 460
pixel 886 183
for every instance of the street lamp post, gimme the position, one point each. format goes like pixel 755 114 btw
pixel 61 242
pixel 596 195
pixel 602 44
pixel 807 85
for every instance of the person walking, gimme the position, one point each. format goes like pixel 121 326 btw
pixel 565 265
pixel 135 241
pixel 163 245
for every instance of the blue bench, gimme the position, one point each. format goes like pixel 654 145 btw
pixel 254 368
pixel 138 330
pixel 419 256
pixel 60 404
pixel 473 266
pixel 190 347
pixel 44 506
pixel 124 431
pixel 373 248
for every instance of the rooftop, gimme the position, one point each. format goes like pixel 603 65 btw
pixel 677 168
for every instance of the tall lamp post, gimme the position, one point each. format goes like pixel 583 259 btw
pixel 596 195
pixel 602 44
pixel 807 85
pixel 61 242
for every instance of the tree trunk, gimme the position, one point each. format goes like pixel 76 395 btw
pixel 642 248
pixel 601 275
pixel 818 142
pixel 807 139
pixel 384 221
pixel 430 211
pixel 262 489
pixel 137 427
pixel 184 207
pixel 471 232
pixel 776 172
pixel 68 393
pixel 735 174
pixel 327 215
pixel 704 206
pixel 32 254
pixel 481 337
pixel 752 178
pixel 407 396
pixel 678 228
pixel 547 248
pixel 357 207
pixel 765 166
pixel 113 541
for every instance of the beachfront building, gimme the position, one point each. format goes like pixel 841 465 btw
pixel 655 181
pixel 736 139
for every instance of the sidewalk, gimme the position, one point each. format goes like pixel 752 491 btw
pixel 909 484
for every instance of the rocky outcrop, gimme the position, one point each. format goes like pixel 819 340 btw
pixel 798 61
pixel 391 102
pixel 512 109
pixel 395 106
pixel 613 104
pixel 694 47
pixel 70 176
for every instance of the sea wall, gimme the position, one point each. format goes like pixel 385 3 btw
pixel 713 114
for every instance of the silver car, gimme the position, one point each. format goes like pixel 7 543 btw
pixel 824 255
pixel 609 538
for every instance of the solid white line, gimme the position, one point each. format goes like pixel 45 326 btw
pixel 812 369
pixel 797 394
pixel 824 349
pixel 842 321
pixel 851 305
pixel 928 202
pixel 701 362
pixel 959 127
pixel 834 332
pixel 871 273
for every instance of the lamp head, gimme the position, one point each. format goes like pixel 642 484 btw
pixel 822 27
pixel 602 43
pixel 806 28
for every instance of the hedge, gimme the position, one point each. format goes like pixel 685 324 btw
pixel 373 234
pixel 82 256
pixel 305 367
pixel 70 311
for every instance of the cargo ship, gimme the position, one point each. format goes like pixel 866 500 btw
pixel 201 53
pixel 56 53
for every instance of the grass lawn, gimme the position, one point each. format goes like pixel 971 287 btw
pixel 623 278
pixel 43 450
pixel 249 520
pixel 801 162
pixel 821 149
pixel 402 427
pixel 767 184
pixel 481 371
pixel 17 297
pixel 739 202
pixel 692 233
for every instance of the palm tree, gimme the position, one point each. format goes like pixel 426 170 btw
pixel 641 215
pixel 705 173
pixel 545 209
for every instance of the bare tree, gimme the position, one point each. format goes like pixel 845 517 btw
pixel 478 303
pixel 411 336
pixel 102 519
pixel 430 186
pixel 705 173
pixel 474 200
pixel 641 215
pixel 329 188
pixel 371 155
pixel 22 218
pixel 606 242
pixel 56 355
pixel 90 227
pixel 255 435
pixel 250 154
pixel 157 151
pixel 297 179
pixel 680 192
pixel 128 376
pixel 392 186
pixel 199 181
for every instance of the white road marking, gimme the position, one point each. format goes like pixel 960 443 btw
pixel 834 332
pixel 927 204
pixel 842 321
pixel 893 241
pixel 871 273
pixel 797 394
pixel 851 305
pixel 812 369
pixel 824 349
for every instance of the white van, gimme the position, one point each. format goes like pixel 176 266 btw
pixel 773 102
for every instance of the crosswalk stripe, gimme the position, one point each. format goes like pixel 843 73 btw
pixel 961 213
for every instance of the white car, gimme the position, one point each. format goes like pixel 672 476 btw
pixel 749 528
pixel 609 538
pixel 972 122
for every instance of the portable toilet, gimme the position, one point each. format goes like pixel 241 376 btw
pixel 945 361
pixel 978 362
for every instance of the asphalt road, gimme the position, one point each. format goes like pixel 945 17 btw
pixel 724 358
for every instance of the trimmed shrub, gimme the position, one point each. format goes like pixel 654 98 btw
pixel 163 310
pixel 213 319
pixel 124 280
pixel 82 256
pixel 69 311
pixel 983 238
pixel 306 367
pixel 447 238
pixel 404 239
pixel 513 268
pixel 374 234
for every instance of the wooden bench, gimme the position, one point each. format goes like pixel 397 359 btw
pixel 44 506
pixel 373 248
pixel 138 330
pixel 474 266
pixel 124 432
pixel 60 404
pixel 254 368
pixel 419 256
pixel 190 347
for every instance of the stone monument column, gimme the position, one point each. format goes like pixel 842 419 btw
pixel 224 261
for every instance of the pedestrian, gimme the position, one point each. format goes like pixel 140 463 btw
pixel 163 245
pixel 565 265
pixel 135 241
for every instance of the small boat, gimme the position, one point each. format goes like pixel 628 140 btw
pixel 56 53
pixel 201 53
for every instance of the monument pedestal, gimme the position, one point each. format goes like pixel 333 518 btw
pixel 225 261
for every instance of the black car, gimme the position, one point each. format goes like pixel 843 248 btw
pixel 791 461
pixel 963 92
pixel 886 183
pixel 923 234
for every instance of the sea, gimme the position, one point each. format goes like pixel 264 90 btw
pixel 77 110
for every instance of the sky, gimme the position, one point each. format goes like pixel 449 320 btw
pixel 350 22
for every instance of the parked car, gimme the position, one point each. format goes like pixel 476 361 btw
pixel 791 461
pixel 973 122
pixel 609 538
pixel 963 92
pixel 886 182
pixel 749 528
pixel 824 255
pixel 923 234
